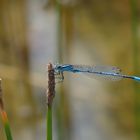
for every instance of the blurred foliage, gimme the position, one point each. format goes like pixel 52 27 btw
pixel 14 64
pixel 64 38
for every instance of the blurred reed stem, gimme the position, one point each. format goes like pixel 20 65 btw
pixel 58 112
pixel 59 32
pixel 64 30
pixel 6 125
pixel 134 28
pixel 4 117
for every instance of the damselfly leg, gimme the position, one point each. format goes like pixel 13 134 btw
pixel 59 77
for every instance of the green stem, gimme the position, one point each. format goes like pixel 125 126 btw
pixel 59 31
pixel 8 131
pixel 134 29
pixel 59 11
pixel 6 125
pixel 49 123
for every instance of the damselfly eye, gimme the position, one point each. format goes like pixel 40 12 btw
pixel 58 67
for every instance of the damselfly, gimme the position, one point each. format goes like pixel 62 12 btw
pixel 111 73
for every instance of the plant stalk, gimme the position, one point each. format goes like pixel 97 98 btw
pixel 50 96
pixel 4 116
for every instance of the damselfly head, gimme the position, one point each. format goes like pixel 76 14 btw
pixel 57 67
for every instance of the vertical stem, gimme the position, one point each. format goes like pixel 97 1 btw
pixel 59 31
pixel 134 28
pixel 59 12
pixel 49 123
pixel 4 116
pixel 6 125
pixel 64 32
pixel 50 96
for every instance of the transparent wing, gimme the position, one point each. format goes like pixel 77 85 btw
pixel 109 73
pixel 104 77
pixel 109 69
pixel 91 69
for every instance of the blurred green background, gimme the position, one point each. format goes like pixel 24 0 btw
pixel 103 32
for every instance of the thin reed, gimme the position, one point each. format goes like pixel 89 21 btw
pixel 135 48
pixel 50 96
pixel 49 123
pixel 4 117
pixel 64 34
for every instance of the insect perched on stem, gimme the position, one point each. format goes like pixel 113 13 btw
pixel 110 73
